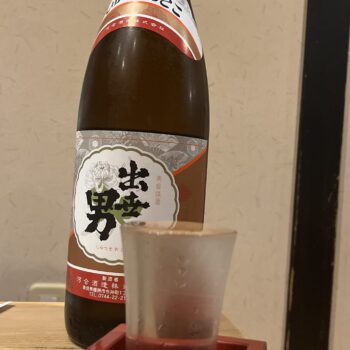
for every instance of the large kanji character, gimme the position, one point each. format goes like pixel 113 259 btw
pixel 100 204
pixel 131 206
pixel 130 183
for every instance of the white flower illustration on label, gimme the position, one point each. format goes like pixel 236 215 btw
pixel 114 185
pixel 102 176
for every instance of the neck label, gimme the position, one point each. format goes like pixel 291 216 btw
pixel 171 19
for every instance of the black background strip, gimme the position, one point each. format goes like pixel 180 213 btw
pixel 317 178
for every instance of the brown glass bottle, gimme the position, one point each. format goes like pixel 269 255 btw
pixel 139 81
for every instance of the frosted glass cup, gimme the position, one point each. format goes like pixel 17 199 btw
pixel 175 283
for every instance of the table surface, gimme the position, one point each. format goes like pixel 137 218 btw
pixel 41 326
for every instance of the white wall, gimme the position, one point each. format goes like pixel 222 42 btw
pixel 254 54
pixel 44 50
pixel 253 50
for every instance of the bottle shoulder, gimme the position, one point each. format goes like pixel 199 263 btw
pixel 137 80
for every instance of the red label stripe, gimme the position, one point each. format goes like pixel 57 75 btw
pixel 96 285
pixel 147 23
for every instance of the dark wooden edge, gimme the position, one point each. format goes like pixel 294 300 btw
pixel 317 177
